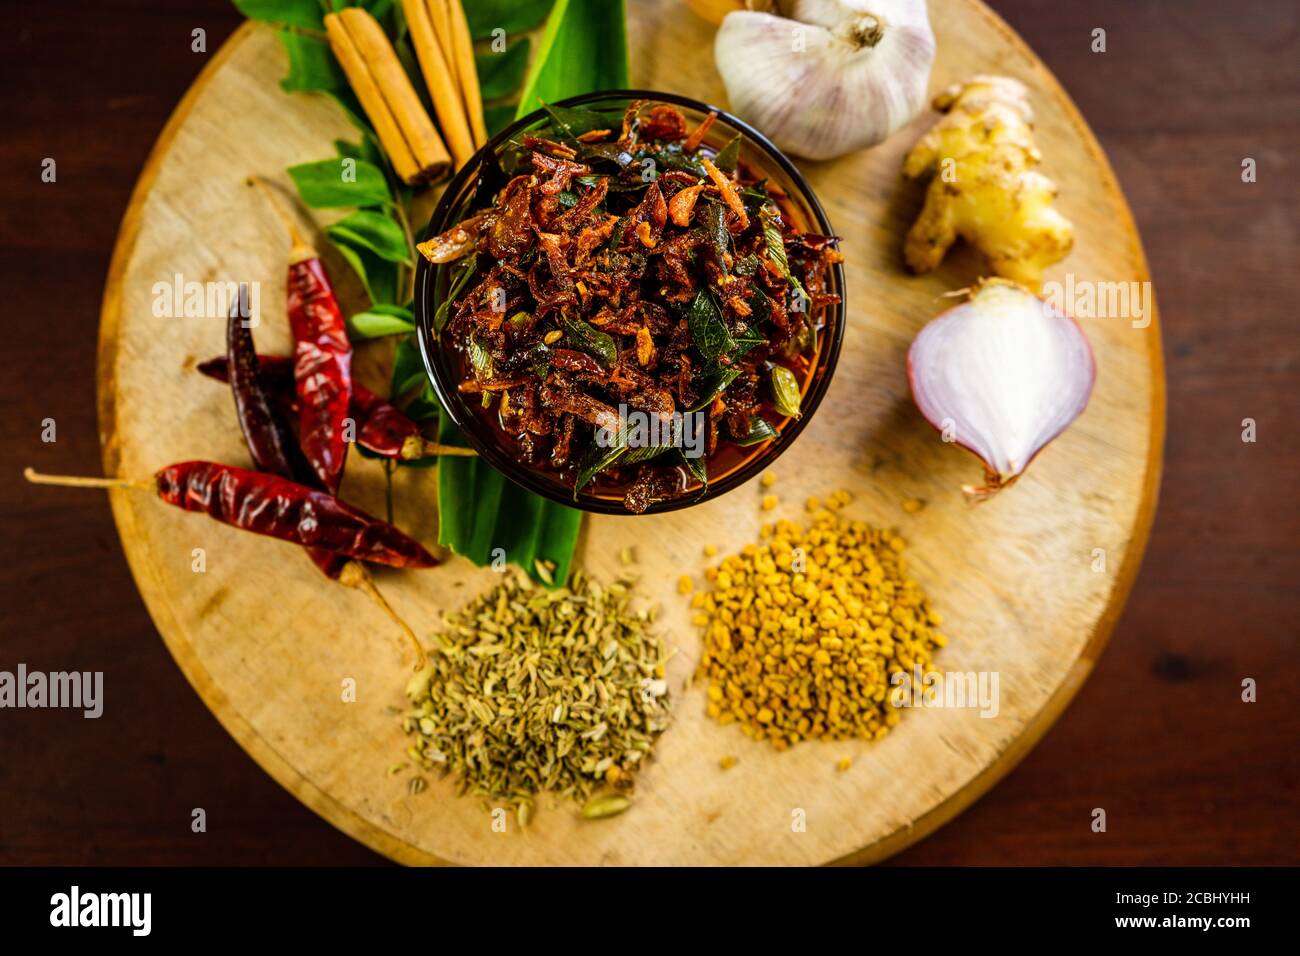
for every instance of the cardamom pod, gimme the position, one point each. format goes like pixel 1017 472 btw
pixel 785 391
pixel 605 805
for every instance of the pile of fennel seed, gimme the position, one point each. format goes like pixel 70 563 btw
pixel 529 690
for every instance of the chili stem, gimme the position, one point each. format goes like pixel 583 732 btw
pixel 355 575
pixel 302 249
pixel 417 447
pixel 388 488
pixel 405 222
pixel 78 481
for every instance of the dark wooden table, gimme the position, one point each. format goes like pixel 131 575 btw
pixel 1159 737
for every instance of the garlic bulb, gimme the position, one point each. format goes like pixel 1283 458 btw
pixel 715 10
pixel 835 76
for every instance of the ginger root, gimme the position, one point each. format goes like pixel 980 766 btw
pixel 985 189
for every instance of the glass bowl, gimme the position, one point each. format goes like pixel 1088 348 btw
pixel 432 283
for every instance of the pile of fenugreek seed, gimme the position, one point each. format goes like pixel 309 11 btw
pixel 803 631
pixel 529 690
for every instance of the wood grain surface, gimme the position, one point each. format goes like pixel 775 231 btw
pixel 134 804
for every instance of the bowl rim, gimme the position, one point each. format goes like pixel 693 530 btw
pixel 491 452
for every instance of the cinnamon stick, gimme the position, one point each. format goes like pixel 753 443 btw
pixel 462 55
pixel 444 88
pixel 386 94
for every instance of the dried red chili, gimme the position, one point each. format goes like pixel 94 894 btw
pixel 269 440
pixel 322 367
pixel 382 428
pixel 269 505
pixel 342 536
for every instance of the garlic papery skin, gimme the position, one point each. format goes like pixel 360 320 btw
pixel 833 77
pixel 1001 375
pixel 714 10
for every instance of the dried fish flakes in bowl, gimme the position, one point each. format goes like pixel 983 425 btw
pixel 630 305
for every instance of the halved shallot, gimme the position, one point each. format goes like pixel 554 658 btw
pixel 1002 374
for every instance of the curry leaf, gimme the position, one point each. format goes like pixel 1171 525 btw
pixel 376 231
pixel 368 149
pixel 587 338
pixel 715 224
pixel 774 238
pixel 596 460
pixel 333 183
pixel 714 385
pixel 728 157
pixel 464 272
pixel 756 196
pixel 380 320
pixel 599 458
pixel 378 275
pixel 708 331
pixel 673 157
pixel 408 368
pixel 745 341
pixel 571 122
pixel 759 431
pixel 293 13
pixel 638 453
pixel 312 67
pixel 698 468
pixel 760 306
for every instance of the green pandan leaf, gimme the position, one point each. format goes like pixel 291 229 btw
pixel 512 16
pixel 501 74
pixel 583 48
pixel 556 539
pixel 497 118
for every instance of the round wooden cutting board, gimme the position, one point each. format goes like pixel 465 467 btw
pixel 1030 584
